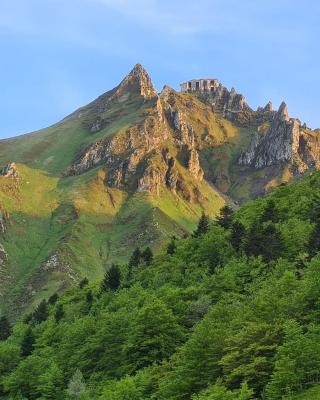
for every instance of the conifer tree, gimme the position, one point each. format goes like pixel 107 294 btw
pixel 111 280
pixel 314 211
pixel 238 234
pixel 203 226
pixel 53 299
pixel 313 245
pixel 77 387
pixel 27 343
pixel 147 256
pixel 41 312
pixel 270 212
pixel 264 240
pixel 135 258
pixel 89 298
pixel 59 314
pixel 226 216
pixel 171 248
pixel 84 282
pixel 5 328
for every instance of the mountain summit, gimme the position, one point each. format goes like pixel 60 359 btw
pixel 133 168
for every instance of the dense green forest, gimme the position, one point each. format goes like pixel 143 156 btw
pixel 231 312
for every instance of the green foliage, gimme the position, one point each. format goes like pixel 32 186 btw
pixel 84 282
pixel 59 313
pixel 40 314
pixel 171 248
pixel 76 387
pixel 5 328
pixel 219 392
pixel 147 256
pixel 203 226
pixel 135 258
pixel 228 314
pixel 238 235
pixel 53 298
pixel 27 343
pixel 111 279
pixel 225 217
pixel 153 337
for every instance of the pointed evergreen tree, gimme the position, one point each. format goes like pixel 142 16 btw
pixel 171 248
pixel 270 212
pixel 203 226
pixel 59 313
pixel 314 210
pixel 111 280
pixel 313 245
pixel 238 234
pixel 147 256
pixel 53 299
pixel 226 216
pixel 5 328
pixel 84 282
pixel 40 314
pixel 135 258
pixel 27 343
pixel 76 387
pixel 89 298
pixel 264 240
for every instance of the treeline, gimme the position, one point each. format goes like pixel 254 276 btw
pixel 231 312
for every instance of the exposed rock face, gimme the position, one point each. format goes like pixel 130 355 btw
pixel 194 165
pixel 138 79
pixel 151 181
pixel 4 219
pixel 136 83
pixel 10 171
pixel 228 103
pixel 276 146
pixel 284 142
pixel 3 256
pixel 98 125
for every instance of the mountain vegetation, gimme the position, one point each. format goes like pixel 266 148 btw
pixel 230 312
pixel 135 168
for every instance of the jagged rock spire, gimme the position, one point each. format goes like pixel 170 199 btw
pixel 138 80
pixel 268 106
pixel 283 113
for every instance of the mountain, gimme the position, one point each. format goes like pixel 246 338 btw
pixel 133 168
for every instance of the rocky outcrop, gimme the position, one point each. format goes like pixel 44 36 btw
pixel 286 141
pixel 4 219
pixel 277 146
pixel 151 181
pixel 194 165
pixel 227 103
pixel 99 124
pixel 136 83
pixel 3 256
pixel 10 171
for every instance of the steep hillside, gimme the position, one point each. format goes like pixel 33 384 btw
pixel 133 168
pixel 229 313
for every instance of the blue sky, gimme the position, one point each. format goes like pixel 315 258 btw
pixel 57 55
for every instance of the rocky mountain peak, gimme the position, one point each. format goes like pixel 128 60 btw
pixel 283 113
pixel 268 106
pixel 138 80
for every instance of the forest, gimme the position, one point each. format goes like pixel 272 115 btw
pixel 230 312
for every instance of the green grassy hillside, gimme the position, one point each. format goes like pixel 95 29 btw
pixel 80 221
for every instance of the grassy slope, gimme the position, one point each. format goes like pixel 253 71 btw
pixel 107 224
